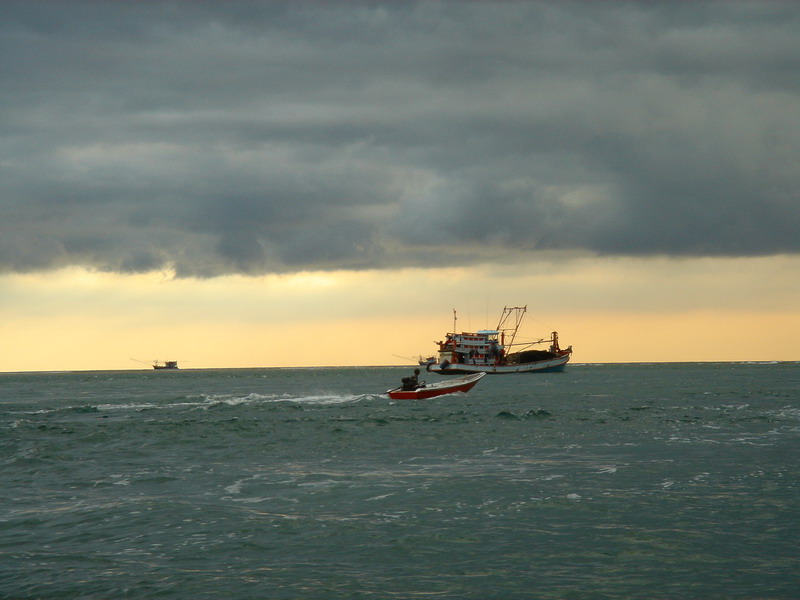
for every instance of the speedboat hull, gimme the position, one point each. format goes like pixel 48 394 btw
pixel 450 386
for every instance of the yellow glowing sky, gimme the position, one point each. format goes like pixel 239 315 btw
pixel 621 310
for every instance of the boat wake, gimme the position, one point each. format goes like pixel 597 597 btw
pixel 313 399
pixel 206 402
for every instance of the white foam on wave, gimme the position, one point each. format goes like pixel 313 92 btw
pixel 207 401
pixel 787 412
pixel 253 500
pixel 236 487
pixel 381 497
pixel 118 479
pixel 327 399
pixel 254 398
pixel 325 483
pixel 128 406
pixel 761 362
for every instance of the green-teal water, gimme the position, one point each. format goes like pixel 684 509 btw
pixel 657 481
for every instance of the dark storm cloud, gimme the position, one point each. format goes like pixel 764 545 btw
pixel 253 137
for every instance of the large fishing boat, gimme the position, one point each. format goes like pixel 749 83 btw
pixel 495 351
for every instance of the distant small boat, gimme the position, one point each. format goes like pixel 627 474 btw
pixel 490 350
pixel 425 361
pixel 168 364
pixel 431 390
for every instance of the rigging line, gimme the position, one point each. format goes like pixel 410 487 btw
pixel 405 357
pixel 542 323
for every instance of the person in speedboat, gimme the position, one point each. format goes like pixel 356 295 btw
pixel 412 382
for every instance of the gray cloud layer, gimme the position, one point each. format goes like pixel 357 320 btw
pixel 254 137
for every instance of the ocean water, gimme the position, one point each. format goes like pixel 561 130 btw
pixel 656 481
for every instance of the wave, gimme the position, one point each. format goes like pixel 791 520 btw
pixel 204 402
pixel 254 398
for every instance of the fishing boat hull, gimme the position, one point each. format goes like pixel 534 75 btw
pixel 451 386
pixel 540 366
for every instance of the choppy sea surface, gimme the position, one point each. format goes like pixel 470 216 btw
pixel 656 481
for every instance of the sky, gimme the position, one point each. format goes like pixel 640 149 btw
pixel 258 184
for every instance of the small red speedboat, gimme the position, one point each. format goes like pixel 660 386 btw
pixel 440 388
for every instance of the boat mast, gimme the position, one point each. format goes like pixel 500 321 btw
pixel 519 314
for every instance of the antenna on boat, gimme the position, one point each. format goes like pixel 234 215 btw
pixel 455 318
